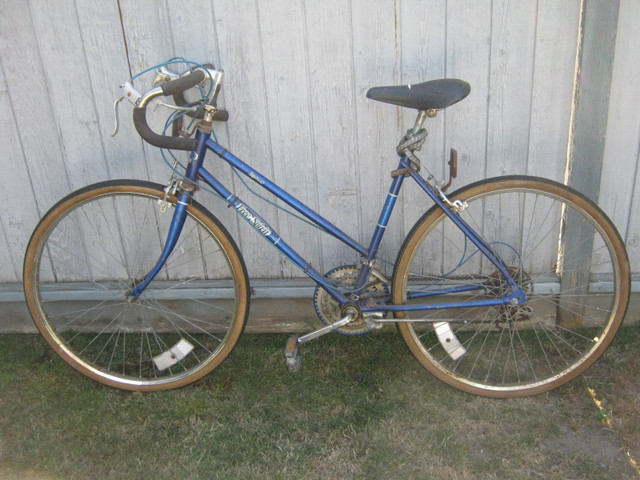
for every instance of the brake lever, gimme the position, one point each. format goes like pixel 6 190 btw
pixel 115 116
pixel 133 95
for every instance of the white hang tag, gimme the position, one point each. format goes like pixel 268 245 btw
pixel 448 340
pixel 173 355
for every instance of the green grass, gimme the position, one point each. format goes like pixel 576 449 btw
pixel 360 408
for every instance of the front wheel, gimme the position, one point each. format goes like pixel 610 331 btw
pixel 557 245
pixel 93 247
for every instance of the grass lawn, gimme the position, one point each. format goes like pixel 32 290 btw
pixel 360 408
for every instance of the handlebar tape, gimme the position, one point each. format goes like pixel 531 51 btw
pixel 219 116
pixel 175 87
pixel 182 84
pixel 162 141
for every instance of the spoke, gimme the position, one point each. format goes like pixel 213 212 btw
pixel 168 314
pixel 61 248
pixel 511 351
pixel 526 354
pixel 117 248
pixel 544 351
pixel 493 358
pixel 99 333
pixel 551 299
pixel 555 227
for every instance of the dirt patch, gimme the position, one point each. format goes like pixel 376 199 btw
pixel 597 444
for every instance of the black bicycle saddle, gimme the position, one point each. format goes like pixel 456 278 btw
pixel 434 94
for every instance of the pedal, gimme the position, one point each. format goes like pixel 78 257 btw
pixel 372 320
pixel 292 355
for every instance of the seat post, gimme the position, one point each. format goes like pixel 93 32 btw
pixel 415 138
pixel 421 118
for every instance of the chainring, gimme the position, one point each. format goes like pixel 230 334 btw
pixel 328 308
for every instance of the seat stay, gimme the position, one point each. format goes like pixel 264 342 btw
pixel 517 294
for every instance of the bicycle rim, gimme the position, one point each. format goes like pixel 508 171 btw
pixel 564 253
pixel 93 247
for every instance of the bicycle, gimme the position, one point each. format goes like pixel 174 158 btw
pixel 509 286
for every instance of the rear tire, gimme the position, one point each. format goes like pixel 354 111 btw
pixel 562 250
pixel 92 248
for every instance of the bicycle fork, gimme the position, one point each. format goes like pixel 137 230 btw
pixel 177 222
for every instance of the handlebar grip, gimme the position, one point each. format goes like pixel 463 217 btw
pixel 162 141
pixel 181 84
pixel 221 116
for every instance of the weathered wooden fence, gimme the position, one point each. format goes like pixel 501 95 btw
pixel 553 86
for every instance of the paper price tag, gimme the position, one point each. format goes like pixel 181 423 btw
pixel 448 340
pixel 173 355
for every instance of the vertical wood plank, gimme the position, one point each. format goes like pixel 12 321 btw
pixel 194 36
pixel 9 272
pixel 65 67
pixel 108 67
pixel 289 121
pixel 333 137
pixel 592 95
pixel 511 78
pixel 468 58
pixel 374 48
pixel 35 120
pixel 245 96
pixel 509 108
pixel 620 185
pixel 19 211
pixel 193 30
pixel 553 75
pixel 423 52
pixel 147 32
pixel 595 64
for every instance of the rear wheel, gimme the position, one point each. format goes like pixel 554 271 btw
pixel 92 248
pixel 558 246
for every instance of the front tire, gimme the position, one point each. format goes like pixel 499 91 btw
pixel 94 246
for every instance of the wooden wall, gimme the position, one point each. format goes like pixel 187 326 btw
pixel 296 74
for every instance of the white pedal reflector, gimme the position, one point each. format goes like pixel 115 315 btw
pixel 173 355
pixel 448 340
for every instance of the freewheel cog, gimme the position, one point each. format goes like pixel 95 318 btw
pixel 497 285
pixel 328 309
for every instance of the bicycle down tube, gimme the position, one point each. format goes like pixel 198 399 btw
pixel 262 226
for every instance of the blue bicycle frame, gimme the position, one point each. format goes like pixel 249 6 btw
pixel 195 171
